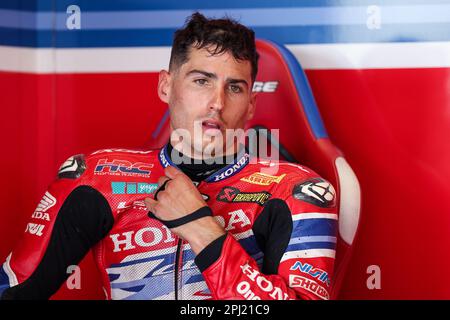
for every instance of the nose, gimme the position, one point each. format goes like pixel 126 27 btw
pixel 218 100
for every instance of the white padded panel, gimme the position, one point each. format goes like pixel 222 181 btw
pixel 350 201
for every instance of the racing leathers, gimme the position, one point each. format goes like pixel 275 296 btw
pixel 279 244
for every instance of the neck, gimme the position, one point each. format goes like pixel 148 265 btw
pixel 197 169
pixel 205 154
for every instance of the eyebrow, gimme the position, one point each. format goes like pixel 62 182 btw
pixel 214 76
pixel 206 74
pixel 238 81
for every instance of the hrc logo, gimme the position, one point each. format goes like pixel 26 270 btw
pixel 123 167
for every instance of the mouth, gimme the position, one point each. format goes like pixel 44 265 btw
pixel 211 125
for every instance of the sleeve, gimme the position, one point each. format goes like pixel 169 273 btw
pixel 298 237
pixel 67 222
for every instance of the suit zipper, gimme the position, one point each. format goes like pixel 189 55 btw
pixel 177 266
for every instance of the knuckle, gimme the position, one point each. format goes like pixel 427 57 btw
pixel 156 209
pixel 161 180
pixel 162 196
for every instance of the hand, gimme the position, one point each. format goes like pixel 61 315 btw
pixel 180 198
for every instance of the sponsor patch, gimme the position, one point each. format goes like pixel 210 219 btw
pixel 263 179
pixel 73 167
pixel 122 168
pixel 317 191
pixel 254 277
pixel 317 273
pixel 309 285
pixel 133 187
pixel 137 205
pixel 141 238
pixel 231 195
pixel 46 203
pixel 34 228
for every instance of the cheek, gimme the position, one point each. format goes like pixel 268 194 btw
pixel 236 114
pixel 177 112
pixel 184 108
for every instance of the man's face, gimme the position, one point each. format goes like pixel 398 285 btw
pixel 208 95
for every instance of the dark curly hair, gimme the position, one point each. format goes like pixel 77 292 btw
pixel 217 36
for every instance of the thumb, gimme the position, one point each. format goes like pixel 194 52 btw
pixel 150 203
pixel 172 172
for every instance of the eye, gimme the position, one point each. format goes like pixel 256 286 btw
pixel 201 81
pixel 235 88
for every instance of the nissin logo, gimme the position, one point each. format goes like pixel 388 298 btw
pixel 133 188
pixel 320 274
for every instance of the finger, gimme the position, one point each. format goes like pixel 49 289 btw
pixel 161 180
pixel 163 184
pixel 150 204
pixel 172 172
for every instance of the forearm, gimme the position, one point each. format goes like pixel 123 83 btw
pixel 232 274
pixel 202 232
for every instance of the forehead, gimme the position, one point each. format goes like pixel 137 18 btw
pixel 222 64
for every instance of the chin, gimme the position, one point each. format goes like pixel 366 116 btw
pixel 211 148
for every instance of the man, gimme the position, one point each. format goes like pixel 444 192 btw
pixel 197 219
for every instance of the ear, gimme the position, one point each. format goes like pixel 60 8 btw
pixel 252 106
pixel 164 86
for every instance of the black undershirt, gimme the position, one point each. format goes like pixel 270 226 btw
pixel 196 169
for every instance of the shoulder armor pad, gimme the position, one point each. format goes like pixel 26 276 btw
pixel 122 151
pixel 316 191
pixel 73 167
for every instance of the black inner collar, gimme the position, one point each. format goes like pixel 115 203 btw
pixel 196 169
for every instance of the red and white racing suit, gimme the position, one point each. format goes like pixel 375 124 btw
pixel 280 242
